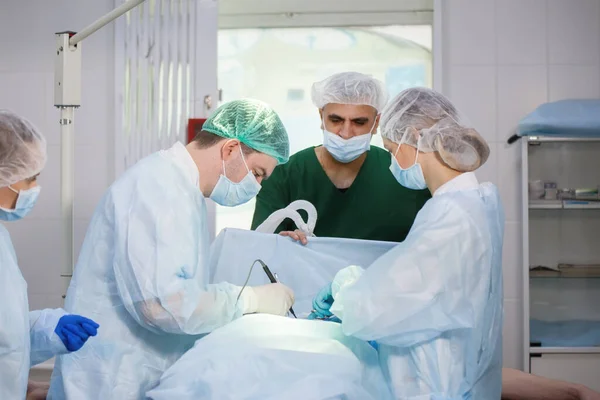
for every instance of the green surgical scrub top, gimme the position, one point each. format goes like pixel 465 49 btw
pixel 375 207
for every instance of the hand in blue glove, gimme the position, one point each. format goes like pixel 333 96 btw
pixel 75 330
pixel 332 318
pixel 322 303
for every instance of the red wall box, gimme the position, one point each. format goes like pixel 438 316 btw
pixel 194 125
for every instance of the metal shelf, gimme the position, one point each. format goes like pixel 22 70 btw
pixel 532 210
pixel 562 275
pixel 564 350
pixel 565 205
pixel 546 205
pixel 566 271
pixel 549 139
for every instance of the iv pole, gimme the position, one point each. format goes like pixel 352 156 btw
pixel 67 97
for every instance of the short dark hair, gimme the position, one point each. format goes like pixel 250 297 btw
pixel 204 140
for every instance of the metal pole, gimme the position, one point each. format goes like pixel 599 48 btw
pixel 100 22
pixel 67 187
pixel 67 97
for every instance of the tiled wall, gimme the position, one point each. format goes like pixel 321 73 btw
pixel 27 48
pixel 502 58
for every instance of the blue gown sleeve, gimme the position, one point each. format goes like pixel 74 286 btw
pixel 161 263
pixel 419 289
pixel 45 344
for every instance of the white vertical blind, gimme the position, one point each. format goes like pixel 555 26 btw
pixel 154 44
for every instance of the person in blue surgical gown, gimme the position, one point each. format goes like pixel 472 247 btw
pixel 432 304
pixel 142 272
pixel 26 338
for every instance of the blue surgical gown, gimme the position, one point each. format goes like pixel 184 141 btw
pixel 434 302
pixel 142 275
pixel 26 338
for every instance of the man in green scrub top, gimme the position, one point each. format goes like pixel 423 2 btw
pixel 346 179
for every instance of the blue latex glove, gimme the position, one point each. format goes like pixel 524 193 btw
pixel 322 303
pixel 75 330
pixel 333 318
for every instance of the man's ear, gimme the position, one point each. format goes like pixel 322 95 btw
pixel 229 149
pixel 376 126
pixel 321 117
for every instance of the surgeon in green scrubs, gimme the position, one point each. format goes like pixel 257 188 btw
pixel 346 179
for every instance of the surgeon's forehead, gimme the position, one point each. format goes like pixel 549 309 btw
pixel 349 110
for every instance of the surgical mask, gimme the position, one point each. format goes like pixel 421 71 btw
pixel 26 199
pixel 231 194
pixel 410 178
pixel 346 150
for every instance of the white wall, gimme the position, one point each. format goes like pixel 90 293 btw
pixel 27 45
pixel 502 58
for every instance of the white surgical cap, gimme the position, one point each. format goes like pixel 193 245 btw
pixel 22 149
pixel 426 119
pixel 350 88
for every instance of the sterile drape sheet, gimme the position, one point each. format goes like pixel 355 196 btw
pixel 262 357
pixel 266 357
pixel 305 269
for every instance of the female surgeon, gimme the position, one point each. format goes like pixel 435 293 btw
pixel 432 304
pixel 26 338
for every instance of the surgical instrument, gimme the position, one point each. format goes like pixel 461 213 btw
pixel 273 280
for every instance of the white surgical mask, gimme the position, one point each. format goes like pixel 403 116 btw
pixel 347 150
pixel 25 201
pixel 411 177
pixel 231 194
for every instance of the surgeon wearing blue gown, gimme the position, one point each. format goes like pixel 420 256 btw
pixel 26 338
pixel 143 268
pixel 433 304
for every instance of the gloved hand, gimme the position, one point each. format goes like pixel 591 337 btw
pixel 75 330
pixel 322 302
pixel 333 318
pixel 273 298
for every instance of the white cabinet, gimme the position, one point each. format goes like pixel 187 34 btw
pixel 561 258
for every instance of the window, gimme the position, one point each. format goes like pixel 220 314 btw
pixel 279 65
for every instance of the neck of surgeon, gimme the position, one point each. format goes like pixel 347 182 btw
pixel 435 171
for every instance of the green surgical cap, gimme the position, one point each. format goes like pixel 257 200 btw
pixel 254 124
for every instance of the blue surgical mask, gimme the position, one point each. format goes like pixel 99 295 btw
pixel 231 194
pixel 410 178
pixel 346 150
pixel 25 201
